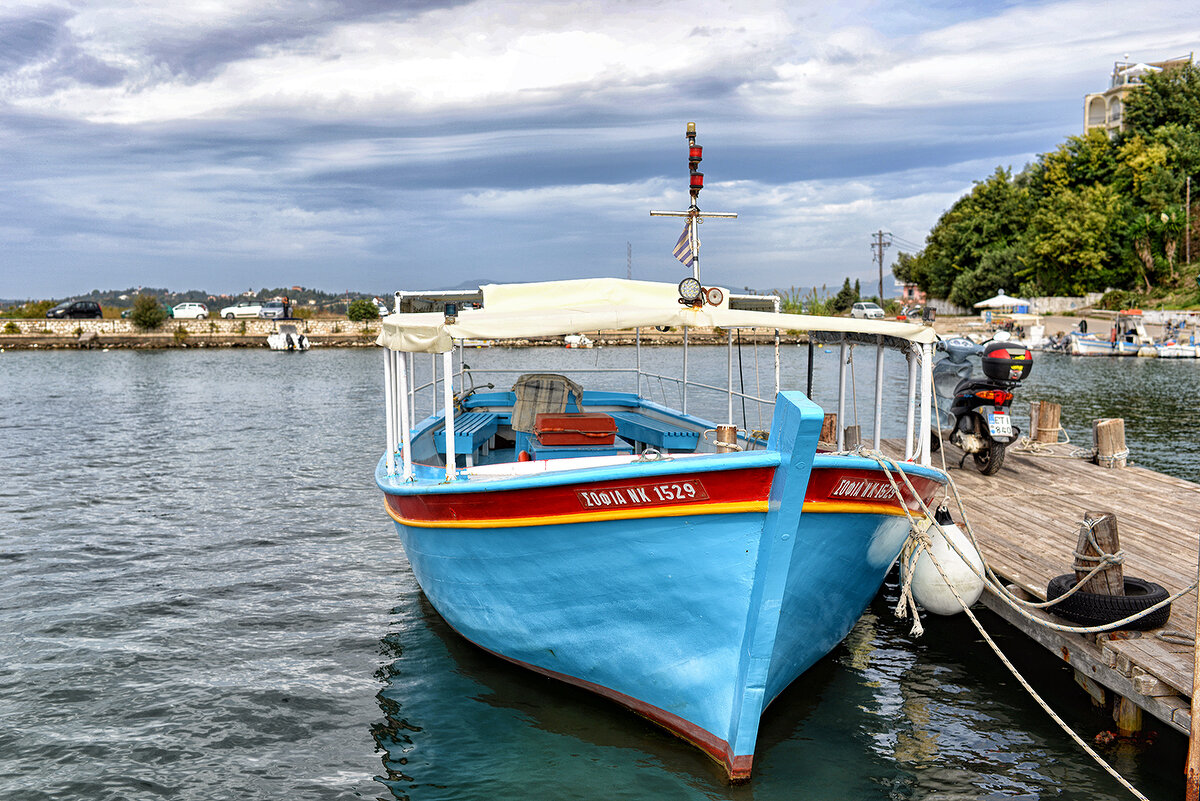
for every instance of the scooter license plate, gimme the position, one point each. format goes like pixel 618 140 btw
pixel 999 424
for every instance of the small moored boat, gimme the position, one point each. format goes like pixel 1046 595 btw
pixel 688 570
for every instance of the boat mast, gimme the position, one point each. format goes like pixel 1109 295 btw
pixel 694 218
pixel 693 214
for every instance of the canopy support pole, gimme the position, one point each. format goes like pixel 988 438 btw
pixel 729 371
pixel 841 418
pixel 389 388
pixel 926 393
pixel 638 352
pixel 405 427
pixel 878 393
pixel 685 380
pixel 911 355
pixel 448 405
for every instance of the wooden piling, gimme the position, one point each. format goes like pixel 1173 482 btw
pixel 1109 437
pixel 853 437
pixel 1110 580
pixel 1046 427
pixel 829 428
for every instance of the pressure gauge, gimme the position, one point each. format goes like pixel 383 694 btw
pixel 690 290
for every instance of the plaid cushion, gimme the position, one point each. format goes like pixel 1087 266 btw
pixel 542 392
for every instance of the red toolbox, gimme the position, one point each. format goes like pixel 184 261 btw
pixel 586 428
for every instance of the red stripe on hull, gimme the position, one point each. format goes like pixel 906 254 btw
pixel 866 486
pixel 729 486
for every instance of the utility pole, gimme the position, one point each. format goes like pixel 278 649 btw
pixel 1187 223
pixel 878 245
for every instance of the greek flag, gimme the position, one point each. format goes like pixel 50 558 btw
pixel 683 248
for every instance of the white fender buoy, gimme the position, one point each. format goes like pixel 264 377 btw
pixel 929 589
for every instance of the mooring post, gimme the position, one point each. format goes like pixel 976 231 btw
pixel 829 429
pixel 853 437
pixel 1192 792
pixel 1102 528
pixel 1047 421
pixel 1109 438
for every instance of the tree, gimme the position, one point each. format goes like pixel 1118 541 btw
pixel 991 217
pixel 147 314
pixel 1171 96
pixel 361 310
pixel 1074 238
pixel 846 297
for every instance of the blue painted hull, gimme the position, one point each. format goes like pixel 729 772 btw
pixel 696 620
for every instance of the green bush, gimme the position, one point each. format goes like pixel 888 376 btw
pixel 28 311
pixel 11 328
pixel 1118 299
pixel 147 313
pixel 362 309
pixel 181 334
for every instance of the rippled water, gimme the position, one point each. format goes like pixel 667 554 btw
pixel 202 598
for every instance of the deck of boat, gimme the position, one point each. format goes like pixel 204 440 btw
pixel 1026 519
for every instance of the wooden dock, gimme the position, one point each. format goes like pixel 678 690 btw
pixel 1027 518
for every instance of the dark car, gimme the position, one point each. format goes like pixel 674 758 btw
pixel 76 310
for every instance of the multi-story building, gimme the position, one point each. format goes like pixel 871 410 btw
pixel 1106 110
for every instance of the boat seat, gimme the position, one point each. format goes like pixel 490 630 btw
pixel 539 393
pixel 473 431
pixel 643 430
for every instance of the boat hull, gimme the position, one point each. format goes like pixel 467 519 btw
pixel 692 596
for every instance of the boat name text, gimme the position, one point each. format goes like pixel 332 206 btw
pixel 643 495
pixel 863 488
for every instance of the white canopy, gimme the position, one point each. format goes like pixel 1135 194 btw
pixel 1002 301
pixel 555 308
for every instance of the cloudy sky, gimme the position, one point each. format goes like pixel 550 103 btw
pixel 374 145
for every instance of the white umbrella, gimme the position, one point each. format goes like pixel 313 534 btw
pixel 1002 301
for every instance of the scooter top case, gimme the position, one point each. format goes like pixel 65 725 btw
pixel 1007 362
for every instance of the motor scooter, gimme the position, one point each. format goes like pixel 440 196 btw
pixel 976 410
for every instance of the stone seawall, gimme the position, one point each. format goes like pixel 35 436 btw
pixel 252 333
pixel 249 333
pixel 248 327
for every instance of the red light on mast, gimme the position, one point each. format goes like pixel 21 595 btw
pixel 697 180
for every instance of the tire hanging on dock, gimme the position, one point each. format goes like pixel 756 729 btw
pixel 1093 609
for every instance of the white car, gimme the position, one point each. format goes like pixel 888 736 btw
pixel 243 308
pixel 866 310
pixel 189 311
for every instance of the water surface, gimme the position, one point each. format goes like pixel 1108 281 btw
pixel 201 597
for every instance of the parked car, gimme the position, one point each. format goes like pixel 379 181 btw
pixel 381 307
pixel 866 310
pixel 76 310
pixel 273 310
pixel 190 311
pixel 243 308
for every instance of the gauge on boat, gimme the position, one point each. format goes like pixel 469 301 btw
pixel 690 290
pixel 714 296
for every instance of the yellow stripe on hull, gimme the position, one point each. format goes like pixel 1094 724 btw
pixel 812 507
pixel 588 517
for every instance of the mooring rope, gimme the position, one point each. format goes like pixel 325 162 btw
pixel 907 602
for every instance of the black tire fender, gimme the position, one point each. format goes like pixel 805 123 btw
pixel 1092 609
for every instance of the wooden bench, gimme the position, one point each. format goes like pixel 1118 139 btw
pixel 473 431
pixel 643 430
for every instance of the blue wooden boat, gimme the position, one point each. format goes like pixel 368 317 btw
pixel 687 570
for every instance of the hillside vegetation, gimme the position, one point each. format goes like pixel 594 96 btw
pixel 1097 213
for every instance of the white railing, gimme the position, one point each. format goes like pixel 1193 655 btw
pixel 401 395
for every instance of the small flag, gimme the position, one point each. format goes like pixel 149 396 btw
pixel 683 248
